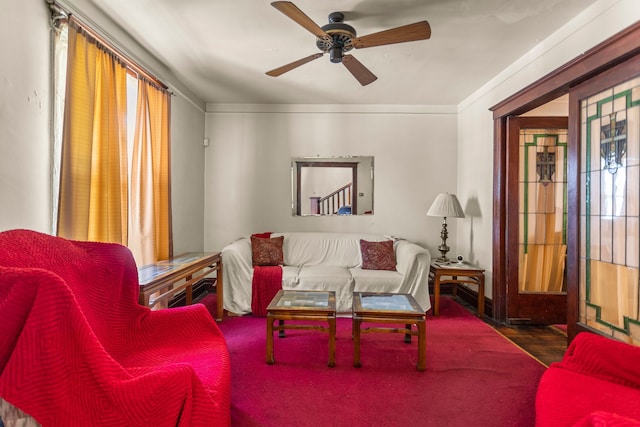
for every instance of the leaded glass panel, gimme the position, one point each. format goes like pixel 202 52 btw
pixel 543 210
pixel 610 211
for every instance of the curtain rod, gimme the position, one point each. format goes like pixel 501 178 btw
pixel 124 58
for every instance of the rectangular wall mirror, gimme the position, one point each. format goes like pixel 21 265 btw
pixel 332 185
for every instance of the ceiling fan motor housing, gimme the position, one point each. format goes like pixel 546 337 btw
pixel 340 39
pixel 336 38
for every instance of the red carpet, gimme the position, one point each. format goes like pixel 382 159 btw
pixel 474 377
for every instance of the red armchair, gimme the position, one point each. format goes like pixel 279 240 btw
pixel 597 383
pixel 77 349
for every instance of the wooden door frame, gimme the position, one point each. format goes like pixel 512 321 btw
pixel 613 51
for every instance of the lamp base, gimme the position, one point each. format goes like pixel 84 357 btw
pixel 443 248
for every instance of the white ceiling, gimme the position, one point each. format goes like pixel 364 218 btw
pixel 221 49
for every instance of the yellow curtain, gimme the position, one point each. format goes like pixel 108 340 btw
pixel 93 170
pixel 150 221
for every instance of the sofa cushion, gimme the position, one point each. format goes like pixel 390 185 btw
pixel 290 276
pixel 330 275
pixel 376 280
pixel 377 255
pixel 313 248
pixel 328 278
pixel 267 251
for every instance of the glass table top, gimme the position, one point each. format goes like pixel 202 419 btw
pixel 303 299
pixel 371 301
pixel 389 302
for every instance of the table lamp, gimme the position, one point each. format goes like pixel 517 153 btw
pixel 445 205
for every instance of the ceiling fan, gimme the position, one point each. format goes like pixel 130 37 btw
pixel 337 38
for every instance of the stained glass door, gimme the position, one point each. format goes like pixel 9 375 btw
pixel 609 288
pixel 543 210
pixel 537 221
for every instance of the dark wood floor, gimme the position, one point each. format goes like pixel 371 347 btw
pixel 545 343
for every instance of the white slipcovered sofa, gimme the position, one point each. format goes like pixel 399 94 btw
pixel 328 261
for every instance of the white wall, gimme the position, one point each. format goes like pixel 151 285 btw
pixel 187 175
pixel 475 124
pixel 25 172
pixel 557 108
pixel 248 178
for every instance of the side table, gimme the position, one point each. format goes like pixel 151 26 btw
pixel 180 273
pixel 455 274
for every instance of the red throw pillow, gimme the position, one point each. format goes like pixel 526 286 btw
pixel 267 251
pixel 263 235
pixel 378 255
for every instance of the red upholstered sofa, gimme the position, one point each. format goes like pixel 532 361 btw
pixel 76 348
pixel 597 383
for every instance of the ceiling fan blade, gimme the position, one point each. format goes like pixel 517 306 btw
pixel 292 11
pixel 295 64
pixel 359 71
pixel 407 33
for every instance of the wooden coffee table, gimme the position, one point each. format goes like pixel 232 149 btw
pixel 389 308
pixel 302 305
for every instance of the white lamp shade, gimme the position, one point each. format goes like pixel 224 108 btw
pixel 446 205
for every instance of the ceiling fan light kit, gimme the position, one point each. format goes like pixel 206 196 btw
pixel 336 38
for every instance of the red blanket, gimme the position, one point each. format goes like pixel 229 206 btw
pixel 266 282
pixel 76 348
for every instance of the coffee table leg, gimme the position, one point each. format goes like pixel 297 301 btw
pixel 281 332
pixel 332 341
pixel 270 321
pixel 356 341
pixel 407 336
pixel 422 345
